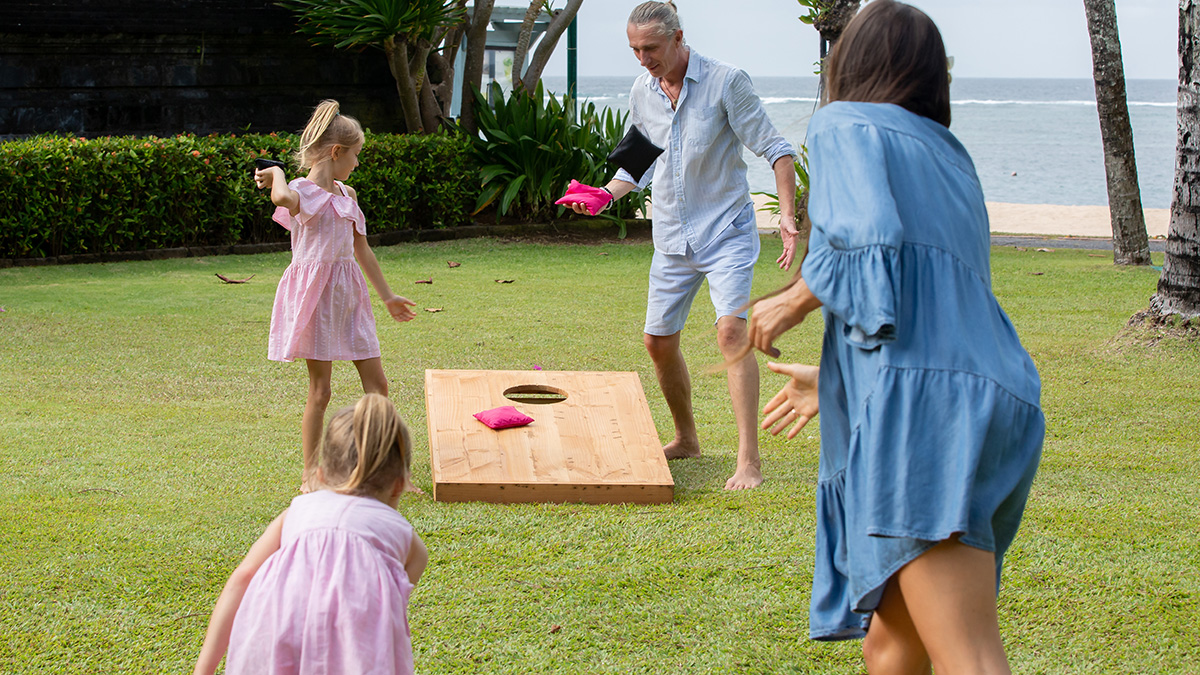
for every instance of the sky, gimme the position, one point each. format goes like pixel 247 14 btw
pixel 987 38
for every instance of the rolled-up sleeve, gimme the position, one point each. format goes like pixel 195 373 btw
pixel 749 120
pixel 853 264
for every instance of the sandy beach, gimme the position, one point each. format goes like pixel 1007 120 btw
pixel 1038 219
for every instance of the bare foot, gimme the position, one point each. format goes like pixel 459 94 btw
pixel 680 449
pixel 409 487
pixel 745 478
pixel 307 482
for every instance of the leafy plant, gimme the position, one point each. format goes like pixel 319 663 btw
pixel 64 195
pixel 406 31
pixel 529 149
pixel 772 205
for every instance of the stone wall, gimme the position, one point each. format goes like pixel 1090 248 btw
pixel 117 67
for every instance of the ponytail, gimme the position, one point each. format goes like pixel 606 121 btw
pixel 326 127
pixel 366 448
pixel 665 14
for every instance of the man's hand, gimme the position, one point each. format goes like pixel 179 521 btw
pixel 796 402
pixel 790 236
pixel 400 308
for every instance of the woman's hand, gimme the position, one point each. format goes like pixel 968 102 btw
pixel 776 315
pixel 400 308
pixel 796 402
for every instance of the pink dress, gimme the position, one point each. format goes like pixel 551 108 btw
pixel 322 310
pixel 333 598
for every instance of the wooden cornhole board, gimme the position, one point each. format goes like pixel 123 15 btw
pixel 598 445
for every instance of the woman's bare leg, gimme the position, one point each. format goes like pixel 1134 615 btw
pixel 950 594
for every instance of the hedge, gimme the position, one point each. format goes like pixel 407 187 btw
pixel 64 195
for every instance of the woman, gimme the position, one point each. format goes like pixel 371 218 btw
pixel 931 428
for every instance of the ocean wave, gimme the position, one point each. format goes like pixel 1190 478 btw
pixel 1132 104
pixel 768 100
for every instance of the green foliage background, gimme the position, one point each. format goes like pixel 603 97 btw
pixel 65 195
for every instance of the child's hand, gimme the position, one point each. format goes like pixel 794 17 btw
pixel 796 402
pixel 265 178
pixel 400 308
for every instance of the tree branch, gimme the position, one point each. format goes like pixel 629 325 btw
pixel 545 49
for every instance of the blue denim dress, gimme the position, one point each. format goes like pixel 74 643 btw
pixel 930 417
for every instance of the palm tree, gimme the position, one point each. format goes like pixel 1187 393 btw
pixel 1131 246
pixel 1179 286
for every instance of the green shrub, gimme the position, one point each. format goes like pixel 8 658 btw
pixel 529 150
pixel 64 194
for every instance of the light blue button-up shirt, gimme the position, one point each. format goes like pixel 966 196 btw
pixel 700 182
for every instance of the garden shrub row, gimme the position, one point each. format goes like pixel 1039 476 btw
pixel 64 195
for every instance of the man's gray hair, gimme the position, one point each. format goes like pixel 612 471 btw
pixel 664 14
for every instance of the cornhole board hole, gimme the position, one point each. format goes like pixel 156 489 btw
pixel 592 439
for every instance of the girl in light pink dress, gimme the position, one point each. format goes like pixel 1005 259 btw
pixel 322 310
pixel 325 589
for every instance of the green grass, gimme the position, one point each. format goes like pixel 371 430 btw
pixel 145 441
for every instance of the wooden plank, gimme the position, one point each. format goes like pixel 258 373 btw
pixel 598 445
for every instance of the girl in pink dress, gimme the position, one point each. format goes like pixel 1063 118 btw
pixel 322 311
pixel 325 589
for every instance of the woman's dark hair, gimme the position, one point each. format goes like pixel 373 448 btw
pixel 891 53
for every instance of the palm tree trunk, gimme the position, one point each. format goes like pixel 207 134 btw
pixel 473 66
pixel 1131 246
pixel 1179 285
pixel 397 56
pixel 558 25
pixel 523 39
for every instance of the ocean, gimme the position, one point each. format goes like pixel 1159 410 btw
pixel 1034 141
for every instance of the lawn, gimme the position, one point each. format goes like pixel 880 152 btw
pixel 145 441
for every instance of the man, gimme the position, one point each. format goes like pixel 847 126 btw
pixel 701 112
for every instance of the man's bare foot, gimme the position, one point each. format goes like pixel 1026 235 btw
pixel 745 478
pixel 680 449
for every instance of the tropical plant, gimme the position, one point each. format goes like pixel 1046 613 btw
pixel 406 32
pixel 529 148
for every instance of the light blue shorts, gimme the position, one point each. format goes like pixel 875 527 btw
pixel 727 263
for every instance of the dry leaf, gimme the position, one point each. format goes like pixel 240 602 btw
pixel 1037 274
pixel 433 309
pixel 234 281
pixel 1020 248
pixel 451 263
pixel 602 253
pixel 1046 250
pixel 505 281
pixel 424 281
pixel 1097 255
pixel 555 628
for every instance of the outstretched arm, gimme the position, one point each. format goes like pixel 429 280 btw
pixel 216 640
pixel 399 307
pixel 796 402
pixel 777 314
pixel 281 194
pixel 616 187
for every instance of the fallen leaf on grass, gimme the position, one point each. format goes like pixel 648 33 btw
pixel 227 280
pixel 1046 250
pixel 451 263
pixel 433 309
pixel 505 281
pixel 555 628
pixel 1020 248
pixel 1097 255
pixel 1037 274
pixel 424 281
pixel 602 253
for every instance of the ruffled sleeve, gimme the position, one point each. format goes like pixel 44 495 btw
pixel 853 263
pixel 314 199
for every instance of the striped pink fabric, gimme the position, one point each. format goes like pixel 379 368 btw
pixel 322 309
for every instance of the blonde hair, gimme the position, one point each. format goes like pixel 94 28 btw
pixel 665 14
pixel 325 129
pixel 366 448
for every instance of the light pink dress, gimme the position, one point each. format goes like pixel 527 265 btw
pixel 322 309
pixel 333 598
